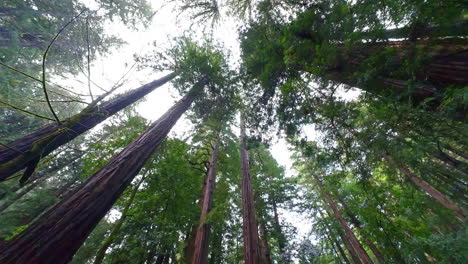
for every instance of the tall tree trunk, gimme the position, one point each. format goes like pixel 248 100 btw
pixel 118 225
pixel 352 252
pixel 339 249
pixel 281 238
pixel 249 224
pixel 27 151
pixel 357 224
pixel 60 232
pixel 429 189
pixel 264 250
pixel 348 232
pixel 201 239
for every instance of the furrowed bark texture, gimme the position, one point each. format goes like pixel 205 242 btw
pixel 101 253
pixel 365 259
pixel 33 147
pixel 200 251
pixel 57 235
pixel 429 189
pixel 249 224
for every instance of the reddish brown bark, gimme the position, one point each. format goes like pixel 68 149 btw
pixel 429 189
pixel 201 238
pixel 28 150
pixel 57 235
pixel 359 249
pixel 249 223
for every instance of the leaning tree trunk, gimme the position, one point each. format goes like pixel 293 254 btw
pixel 27 151
pixel 250 232
pixel 348 232
pixel 58 234
pixel 357 224
pixel 429 189
pixel 201 238
pixel 101 253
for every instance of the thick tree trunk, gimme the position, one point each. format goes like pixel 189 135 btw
pixel 250 232
pixel 201 238
pixel 429 189
pixel 359 249
pixel 264 250
pixel 101 253
pixel 28 150
pixel 60 232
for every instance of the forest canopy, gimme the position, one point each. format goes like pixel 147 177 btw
pixel 233 131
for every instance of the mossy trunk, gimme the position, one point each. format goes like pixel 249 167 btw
pixel 27 151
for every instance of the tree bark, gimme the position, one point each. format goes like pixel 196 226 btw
pixel 201 238
pixel 249 223
pixel 348 232
pixel 60 232
pixel 264 250
pixel 42 142
pixel 429 189
pixel 351 250
pixel 357 224
pixel 101 253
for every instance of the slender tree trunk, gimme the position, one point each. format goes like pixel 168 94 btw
pixel 281 238
pixel 60 232
pixel 357 224
pixel 348 232
pixel 27 151
pixel 250 232
pixel 201 239
pixel 429 189
pixel 352 252
pixel 264 250
pixel 339 249
pixel 101 253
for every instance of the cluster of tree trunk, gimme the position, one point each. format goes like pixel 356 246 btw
pixel 57 235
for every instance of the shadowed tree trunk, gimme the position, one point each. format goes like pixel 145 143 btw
pixel 118 225
pixel 27 151
pixel 281 238
pixel 359 249
pixel 249 224
pixel 57 235
pixel 339 249
pixel 264 250
pixel 201 238
pixel 429 189
pixel 357 224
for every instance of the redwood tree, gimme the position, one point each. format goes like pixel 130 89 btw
pixel 58 234
pixel 26 152
pixel 250 232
